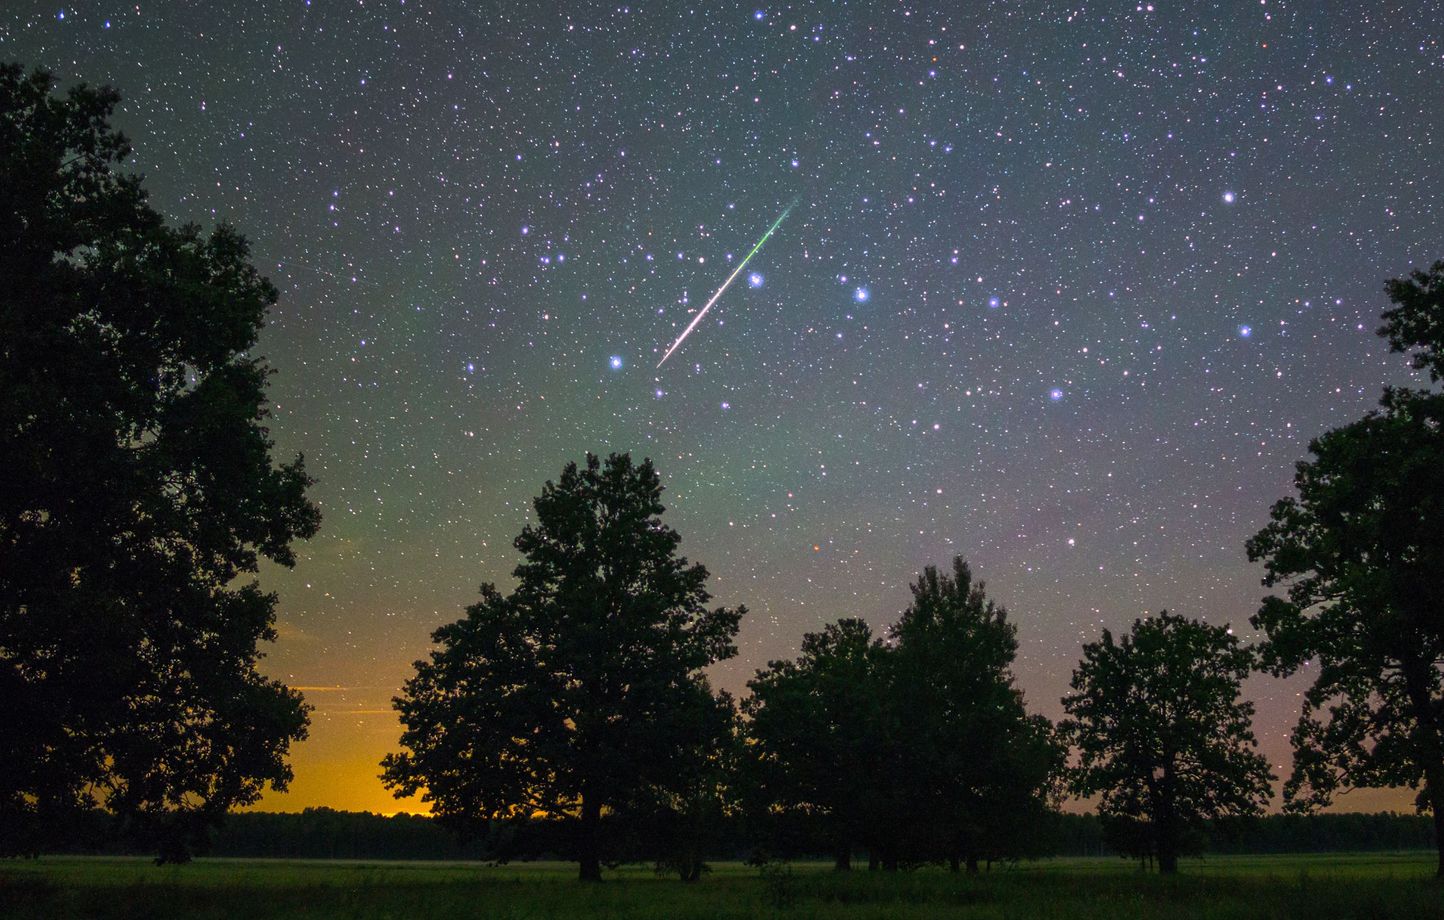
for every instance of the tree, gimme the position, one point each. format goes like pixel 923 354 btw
pixel 689 814
pixel 819 741
pixel 1416 323
pixel 1360 552
pixel 1162 734
pixel 581 692
pixel 977 767
pixel 138 487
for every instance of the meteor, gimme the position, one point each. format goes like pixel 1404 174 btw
pixel 730 278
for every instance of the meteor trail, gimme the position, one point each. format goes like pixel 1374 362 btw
pixel 730 278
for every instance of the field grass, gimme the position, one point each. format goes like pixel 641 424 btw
pixel 1359 887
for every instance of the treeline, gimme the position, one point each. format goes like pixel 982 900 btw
pixel 138 493
pixel 324 833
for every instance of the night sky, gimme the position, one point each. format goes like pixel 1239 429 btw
pixel 1067 290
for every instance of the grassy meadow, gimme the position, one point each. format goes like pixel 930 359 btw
pixel 1313 887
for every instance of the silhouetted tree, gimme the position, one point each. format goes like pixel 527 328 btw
pixel 1415 325
pixel 978 769
pixel 1162 735
pixel 1360 552
pixel 136 488
pixel 689 813
pixel 581 691
pixel 820 742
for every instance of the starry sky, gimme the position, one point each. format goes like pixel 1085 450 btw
pixel 1067 290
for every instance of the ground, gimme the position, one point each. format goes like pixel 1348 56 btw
pixel 1264 887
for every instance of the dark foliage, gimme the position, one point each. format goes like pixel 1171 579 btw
pixel 581 692
pixel 323 833
pixel 1360 554
pixel 1163 737
pixel 918 748
pixel 136 488
pixel 1415 324
pixel 821 742
pixel 978 770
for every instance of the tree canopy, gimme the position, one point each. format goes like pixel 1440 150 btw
pixel 978 767
pixel 1359 552
pixel 821 741
pixel 1415 324
pixel 1162 735
pixel 138 491
pixel 582 690
pixel 918 747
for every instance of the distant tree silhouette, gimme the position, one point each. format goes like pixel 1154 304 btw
pixel 1360 552
pixel 978 768
pixel 580 692
pixel 136 488
pixel 918 747
pixel 1162 735
pixel 683 819
pixel 821 744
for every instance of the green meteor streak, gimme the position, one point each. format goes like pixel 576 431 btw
pixel 730 278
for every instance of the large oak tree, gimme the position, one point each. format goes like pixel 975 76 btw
pixel 1359 553
pixel 1162 735
pixel 581 692
pixel 137 489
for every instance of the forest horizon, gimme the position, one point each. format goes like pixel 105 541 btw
pixel 640 433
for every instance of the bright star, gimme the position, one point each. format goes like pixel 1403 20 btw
pixel 993 302
pixel 755 280
pixel 1228 197
pixel 860 294
pixel 1245 331
pixel 615 362
pixel 1055 394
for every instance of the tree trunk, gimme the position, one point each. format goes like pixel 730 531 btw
pixel 842 861
pixel 1166 827
pixel 1434 793
pixel 953 863
pixel 589 844
pixel 1167 853
pixel 972 864
pixel 1437 807
pixel 872 860
pixel 1438 832
pixel 1421 698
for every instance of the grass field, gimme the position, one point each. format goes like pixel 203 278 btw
pixel 1312 887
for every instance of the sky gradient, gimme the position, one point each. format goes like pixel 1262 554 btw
pixel 1067 290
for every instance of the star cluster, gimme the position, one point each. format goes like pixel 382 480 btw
pixel 1067 291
